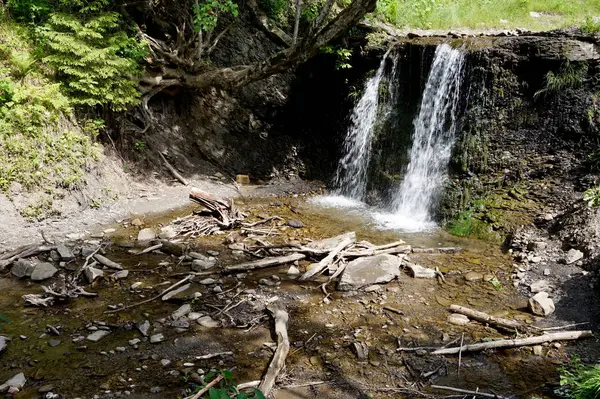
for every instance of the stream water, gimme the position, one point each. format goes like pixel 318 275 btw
pixel 322 332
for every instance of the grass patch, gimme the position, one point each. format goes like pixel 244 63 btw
pixel 445 14
pixel 568 76
pixel 40 144
pixel 580 381
pixel 467 225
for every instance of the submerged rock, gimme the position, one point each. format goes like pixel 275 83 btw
pixel 18 381
pixel 369 270
pixel 295 223
pixel 43 271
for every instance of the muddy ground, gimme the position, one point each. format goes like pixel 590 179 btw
pixel 324 332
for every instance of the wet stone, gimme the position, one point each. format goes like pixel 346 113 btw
pixel 295 223
pixel 473 276
pixel 182 311
pixel 64 252
pixel 43 271
pixel 181 324
pixel 146 235
pixel 368 271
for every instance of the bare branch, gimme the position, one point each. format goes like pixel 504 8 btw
pixel 297 22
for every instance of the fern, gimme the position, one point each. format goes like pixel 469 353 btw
pixel 567 76
pixel 93 57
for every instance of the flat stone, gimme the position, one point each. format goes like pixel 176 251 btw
pixel 181 324
pixel 167 232
pixel 179 290
pixel 134 342
pixel 64 252
pixel 572 256
pixel 18 381
pixel 328 244
pixel 143 327
pixel 156 338
pixel 91 274
pixel 540 286
pixel 208 322
pixel 146 235
pixel 22 268
pixel 199 265
pixel 43 271
pixel 295 223
pixel 54 342
pixel 193 316
pixel 207 281
pixel 458 319
pixel 369 270
pixel 97 335
pixel 121 274
pixel 182 311
pixel 540 304
pixel 418 271
pixel 473 276
pixel 3 343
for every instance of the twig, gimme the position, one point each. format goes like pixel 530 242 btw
pixel 267 262
pixel 171 288
pixel 561 327
pixel 303 345
pixel 173 171
pixel 206 388
pixel 283 347
pixel 485 318
pixel 211 355
pixel 150 249
pixel 476 393
pixel 462 339
pixel 328 259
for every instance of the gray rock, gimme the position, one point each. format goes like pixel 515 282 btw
pixel 373 288
pixel 193 316
pixel 418 271
pixel 165 362
pixel 54 342
pixel 166 233
pixel 540 304
pixel 181 324
pixel 295 223
pixel 43 271
pixel 107 262
pixel 199 265
pixel 213 253
pixel 540 286
pixel 369 270
pixel 182 311
pixel 97 335
pixel 156 338
pixel 64 252
pixel 293 271
pixel 572 256
pixel 91 274
pixel 207 281
pixel 458 319
pixel 121 274
pixel 3 343
pixel 18 381
pixel 22 268
pixel 135 341
pixel 208 322
pixel 143 327
pixel 146 235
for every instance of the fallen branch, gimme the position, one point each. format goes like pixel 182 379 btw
pixel 173 171
pixel 150 249
pixel 283 347
pixel 400 249
pixel 263 263
pixel 485 318
pixel 514 343
pixel 166 290
pixel 465 391
pixel 211 355
pixel 325 262
pixel 206 388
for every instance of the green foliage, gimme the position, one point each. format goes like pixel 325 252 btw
pixel 33 11
pixel 93 56
pixel 580 381
pixel 567 76
pixel 591 26
pixel 227 388
pixel 207 13
pixel 343 56
pixel 446 14
pixel 310 10
pixel 462 225
pixel 592 197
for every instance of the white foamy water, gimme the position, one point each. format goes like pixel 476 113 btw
pixel 351 175
pixel 433 139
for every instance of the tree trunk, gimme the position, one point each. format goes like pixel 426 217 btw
pixel 297 22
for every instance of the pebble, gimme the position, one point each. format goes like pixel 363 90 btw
pixel 120 349
pixel 473 276
pixel 188 364
pixel 182 311
pixel 207 281
pixel 458 319
pixel 54 342
pixel 193 316
pixel 547 272
pixel 155 390
pixel 295 223
pixel 293 271
pixel 97 335
pixel 134 341
pixel 165 362
pixel 136 285
pixel 156 338
pixel 208 322
pixel 143 327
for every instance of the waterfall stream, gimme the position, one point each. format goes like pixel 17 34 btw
pixel 351 175
pixel 433 139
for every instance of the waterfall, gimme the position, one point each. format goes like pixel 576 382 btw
pixel 433 139
pixel 351 175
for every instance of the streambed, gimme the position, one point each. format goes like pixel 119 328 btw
pixel 323 333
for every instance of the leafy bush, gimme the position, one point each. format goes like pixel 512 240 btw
pixel 567 76
pixel 592 197
pixel 207 12
pixel 581 382
pixel 34 11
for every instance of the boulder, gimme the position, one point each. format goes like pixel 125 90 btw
pixel 146 235
pixel 540 304
pixel 91 274
pixel 18 381
pixel 572 256
pixel 418 271
pixel 22 268
pixel 43 271
pixel 363 272
pixel 64 252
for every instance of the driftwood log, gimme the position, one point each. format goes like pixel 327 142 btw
pixel 263 263
pixel 283 347
pixel 515 343
pixel 485 318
